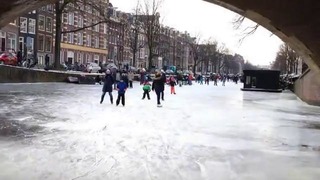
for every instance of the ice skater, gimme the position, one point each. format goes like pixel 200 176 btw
pixel 121 87
pixel 172 83
pixel 146 89
pixel 107 86
pixel 157 86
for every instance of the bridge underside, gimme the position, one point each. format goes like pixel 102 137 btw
pixel 294 21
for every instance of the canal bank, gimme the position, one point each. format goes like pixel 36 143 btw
pixel 13 74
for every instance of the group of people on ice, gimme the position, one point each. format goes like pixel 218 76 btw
pixel 121 83
pixel 215 78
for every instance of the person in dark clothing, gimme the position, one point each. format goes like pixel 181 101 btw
pixel 142 76
pixel 163 80
pixel 19 58
pixel 157 86
pixel 180 79
pixel 46 62
pixel 125 78
pixel 107 86
pixel 121 87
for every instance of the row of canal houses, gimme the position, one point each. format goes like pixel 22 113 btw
pixel 34 32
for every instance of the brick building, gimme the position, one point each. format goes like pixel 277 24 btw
pixel 45 35
pixel 9 37
pixel 88 45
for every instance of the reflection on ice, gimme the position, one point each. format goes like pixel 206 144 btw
pixel 203 132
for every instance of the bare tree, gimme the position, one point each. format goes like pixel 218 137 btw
pixel 287 60
pixel 238 22
pixel 150 17
pixel 208 52
pixel 194 44
pixel 99 7
pixel 134 27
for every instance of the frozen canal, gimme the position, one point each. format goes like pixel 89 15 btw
pixel 60 131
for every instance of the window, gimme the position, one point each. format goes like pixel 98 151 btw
pixel 80 21
pixel 89 23
pixel 62 57
pixel 23 25
pixel 49 24
pixel 41 59
pixel 62 37
pixel 48 43
pixel 65 18
pixel 41 42
pixel 105 43
pixel 80 58
pixel 96 45
pixel 71 19
pixel 96 27
pixel 93 42
pixel 88 40
pixel 70 37
pixel 96 57
pixel 21 44
pixel 12 41
pixel 80 38
pixel 50 8
pixel 32 26
pixel 30 44
pixel 41 23
pixel 105 28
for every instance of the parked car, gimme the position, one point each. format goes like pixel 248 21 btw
pixel 92 67
pixel 8 58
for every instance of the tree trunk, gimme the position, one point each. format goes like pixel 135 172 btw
pixel 57 46
pixel 195 66
pixel 134 59
pixel 135 50
pixel 150 62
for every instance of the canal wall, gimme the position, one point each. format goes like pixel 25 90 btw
pixel 307 88
pixel 12 74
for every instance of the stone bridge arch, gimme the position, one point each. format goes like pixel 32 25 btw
pixel 294 21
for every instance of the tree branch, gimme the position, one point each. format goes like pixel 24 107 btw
pixel 83 28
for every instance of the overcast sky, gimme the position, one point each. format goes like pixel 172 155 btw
pixel 197 16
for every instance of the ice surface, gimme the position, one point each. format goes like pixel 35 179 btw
pixel 203 132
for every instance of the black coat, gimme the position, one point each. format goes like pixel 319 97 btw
pixel 108 82
pixel 157 85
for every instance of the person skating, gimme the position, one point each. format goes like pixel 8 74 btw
pixel 180 79
pixel 172 83
pixel 164 80
pixel 107 86
pixel 146 89
pixel 130 78
pixel 121 87
pixel 157 87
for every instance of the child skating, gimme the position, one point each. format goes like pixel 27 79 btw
pixel 121 87
pixel 146 89
pixel 172 85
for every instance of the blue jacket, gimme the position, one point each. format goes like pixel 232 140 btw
pixel 122 86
